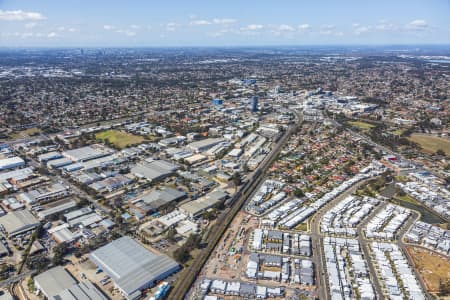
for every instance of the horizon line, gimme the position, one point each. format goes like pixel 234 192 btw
pixel 229 46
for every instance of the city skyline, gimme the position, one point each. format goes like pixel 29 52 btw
pixel 251 23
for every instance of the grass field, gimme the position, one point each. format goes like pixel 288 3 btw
pixel 431 144
pixel 120 139
pixel 361 125
pixel 25 133
pixel 398 132
pixel 408 198
pixel 431 266
pixel 302 227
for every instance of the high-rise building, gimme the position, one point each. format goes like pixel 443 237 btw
pixel 254 103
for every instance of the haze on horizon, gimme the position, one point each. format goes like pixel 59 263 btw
pixel 138 23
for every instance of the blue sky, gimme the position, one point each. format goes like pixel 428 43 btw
pixel 130 23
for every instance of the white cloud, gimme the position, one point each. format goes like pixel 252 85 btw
pixel 362 29
pixel 284 27
pixel 26 35
pixel 171 26
pixel 135 27
pixel 217 21
pixel 418 24
pixel 126 32
pixel 304 26
pixel 224 21
pixel 30 25
pixel 66 29
pixel 331 33
pixel 200 22
pixel 108 27
pixel 384 26
pixel 20 15
pixel 328 27
pixel 52 35
pixel 252 27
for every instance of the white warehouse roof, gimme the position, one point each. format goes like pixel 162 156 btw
pixel 131 266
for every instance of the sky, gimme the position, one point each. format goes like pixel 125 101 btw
pixel 157 23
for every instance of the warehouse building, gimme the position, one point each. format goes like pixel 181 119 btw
pixel 154 170
pixel 132 267
pixel 195 208
pixel 17 175
pixel 11 163
pixel 84 290
pixel 203 145
pixel 155 199
pixel 45 193
pixel 59 162
pixel 17 222
pixel 64 205
pixel 58 284
pixel 49 156
pixel 53 281
pixel 87 153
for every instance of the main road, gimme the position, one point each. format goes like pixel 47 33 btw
pixel 189 275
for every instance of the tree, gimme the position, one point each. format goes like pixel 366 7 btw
pixel 299 193
pixel 170 235
pixel 440 152
pixel 193 241
pixel 209 215
pixel 59 252
pixel 236 178
pixel 181 255
pixel 444 287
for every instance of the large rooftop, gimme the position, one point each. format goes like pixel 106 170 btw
pixel 54 281
pixel 18 221
pixel 132 266
pixel 158 198
pixel 155 169
pixel 87 153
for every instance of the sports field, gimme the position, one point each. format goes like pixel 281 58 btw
pixel 431 144
pixel 361 125
pixel 120 139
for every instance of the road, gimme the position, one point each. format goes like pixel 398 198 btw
pixel 366 250
pixel 15 279
pixel 400 241
pixel 190 274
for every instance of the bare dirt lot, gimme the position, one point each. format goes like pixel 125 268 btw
pixel 431 266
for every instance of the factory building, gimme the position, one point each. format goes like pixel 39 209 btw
pixel 57 283
pixel 17 222
pixel 11 163
pixel 132 267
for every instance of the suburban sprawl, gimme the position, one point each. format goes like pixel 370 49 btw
pixel 225 174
